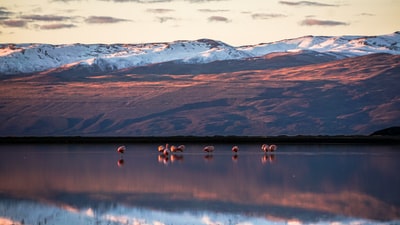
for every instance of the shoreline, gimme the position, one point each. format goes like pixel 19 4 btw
pixel 300 139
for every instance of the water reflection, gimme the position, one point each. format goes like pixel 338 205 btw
pixel 267 158
pixel 120 162
pixel 235 158
pixel 307 183
pixel 166 159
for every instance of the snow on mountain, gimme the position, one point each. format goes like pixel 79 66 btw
pixel 343 45
pixel 31 58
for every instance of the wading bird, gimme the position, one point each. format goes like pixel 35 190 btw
pixel 268 148
pixel 166 152
pixel 121 149
pixel 235 148
pixel 161 148
pixel 272 148
pixel 264 147
pixel 208 149
pixel 180 148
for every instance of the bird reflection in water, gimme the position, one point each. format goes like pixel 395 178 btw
pixel 176 158
pixel 235 158
pixel 121 150
pixel 120 162
pixel 164 159
pixel 268 158
pixel 208 157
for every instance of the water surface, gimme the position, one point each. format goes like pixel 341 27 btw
pixel 301 184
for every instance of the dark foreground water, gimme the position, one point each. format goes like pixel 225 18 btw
pixel 298 184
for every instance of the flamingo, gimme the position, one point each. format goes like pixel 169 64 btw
pixel 235 148
pixel 264 147
pixel 267 148
pixel 166 152
pixel 208 149
pixel 180 148
pixel 272 148
pixel 121 149
pixel 161 148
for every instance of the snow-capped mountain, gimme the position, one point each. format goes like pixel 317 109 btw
pixel 33 58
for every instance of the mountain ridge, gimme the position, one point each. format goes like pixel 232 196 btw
pixel 36 58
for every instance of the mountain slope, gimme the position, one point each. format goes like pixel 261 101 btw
pixel 356 95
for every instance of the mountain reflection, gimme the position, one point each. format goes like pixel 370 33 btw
pixel 307 182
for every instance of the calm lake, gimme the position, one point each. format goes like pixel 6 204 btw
pixel 297 184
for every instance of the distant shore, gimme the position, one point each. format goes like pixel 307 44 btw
pixel 300 139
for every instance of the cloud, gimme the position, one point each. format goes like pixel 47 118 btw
pixel 160 11
pixel 56 26
pixel 140 1
pixel 315 22
pixel 104 19
pixel 14 23
pixel 212 10
pixel 44 17
pixel 218 19
pixel 306 3
pixel 203 1
pixel 65 0
pixel 266 16
pixel 4 11
pixel 164 19
pixel 367 14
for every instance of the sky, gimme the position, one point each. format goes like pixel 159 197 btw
pixel 235 22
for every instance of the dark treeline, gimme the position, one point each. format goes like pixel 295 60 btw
pixel 300 139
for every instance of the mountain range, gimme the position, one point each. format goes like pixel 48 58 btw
pixel 31 58
pixel 312 85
